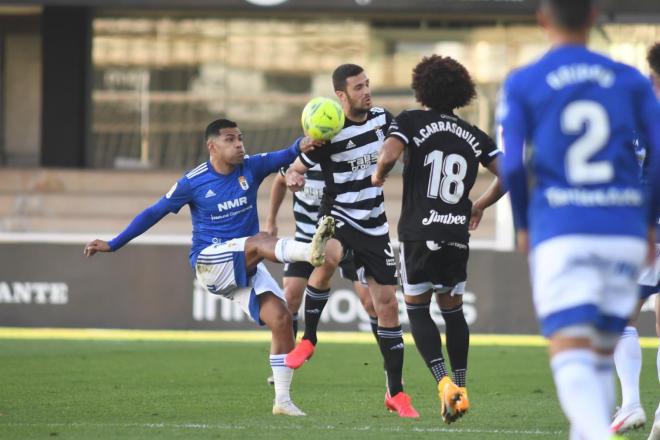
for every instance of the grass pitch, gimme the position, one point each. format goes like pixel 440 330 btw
pixel 74 389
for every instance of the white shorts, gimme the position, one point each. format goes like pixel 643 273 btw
pixel 221 270
pixel 586 280
pixel 650 275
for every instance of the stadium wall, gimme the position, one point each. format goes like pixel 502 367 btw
pixel 151 286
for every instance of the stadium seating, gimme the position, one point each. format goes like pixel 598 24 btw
pixel 105 201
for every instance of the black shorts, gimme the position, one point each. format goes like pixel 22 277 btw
pixel 303 269
pixel 373 255
pixel 427 265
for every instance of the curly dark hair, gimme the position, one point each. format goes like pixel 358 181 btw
pixel 654 58
pixel 442 83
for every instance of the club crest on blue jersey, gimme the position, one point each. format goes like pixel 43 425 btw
pixel 243 182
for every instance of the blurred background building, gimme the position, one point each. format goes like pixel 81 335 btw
pixel 101 84
pixel 103 104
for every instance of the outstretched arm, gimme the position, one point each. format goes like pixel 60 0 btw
pixel 268 163
pixel 389 153
pixel 143 221
pixel 494 192
pixel 277 193
pixel 179 195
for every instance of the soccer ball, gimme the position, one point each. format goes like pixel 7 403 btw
pixel 322 118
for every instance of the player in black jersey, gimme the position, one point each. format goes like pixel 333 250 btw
pixel 442 154
pixel 306 205
pixel 361 225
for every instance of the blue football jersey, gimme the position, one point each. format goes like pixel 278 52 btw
pixel 577 114
pixel 223 206
pixel 642 160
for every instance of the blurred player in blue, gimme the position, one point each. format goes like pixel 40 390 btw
pixel 628 353
pixel 568 125
pixel 227 249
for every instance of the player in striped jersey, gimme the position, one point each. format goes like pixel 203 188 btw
pixel 306 204
pixel 361 226
pixel 227 250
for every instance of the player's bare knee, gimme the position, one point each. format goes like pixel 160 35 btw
pixel 422 298
pixel 293 300
pixel 572 338
pixel 333 254
pixel 258 241
pixel 386 303
pixel 449 301
pixel 280 318
pixel 321 277
pixel 367 304
pixel 606 342
pixel 331 262
pixel 274 311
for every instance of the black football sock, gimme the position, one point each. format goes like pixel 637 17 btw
pixel 315 301
pixel 373 320
pixel 390 341
pixel 427 338
pixel 294 320
pixel 458 342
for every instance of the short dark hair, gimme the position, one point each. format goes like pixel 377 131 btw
pixel 213 129
pixel 344 72
pixel 654 58
pixel 572 15
pixel 442 83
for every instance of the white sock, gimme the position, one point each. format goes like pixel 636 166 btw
pixel 657 362
pixel 573 434
pixel 628 361
pixel 580 393
pixel 290 251
pixel 282 376
pixel 605 374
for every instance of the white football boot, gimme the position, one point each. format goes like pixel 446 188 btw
pixel 655 430
pixel 287 408
pixel 627 418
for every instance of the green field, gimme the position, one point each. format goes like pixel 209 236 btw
pixel 218 390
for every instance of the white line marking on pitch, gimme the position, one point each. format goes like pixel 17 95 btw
pixel 204 426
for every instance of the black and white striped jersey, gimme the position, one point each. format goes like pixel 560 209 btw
pixel 306 203
pixel 347 164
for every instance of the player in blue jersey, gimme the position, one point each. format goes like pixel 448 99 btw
pixel 227 249
pixel 628 353
pixel 568 123
pixel 654 62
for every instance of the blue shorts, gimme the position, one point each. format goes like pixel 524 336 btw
pixel 646 291
pixel 649 278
